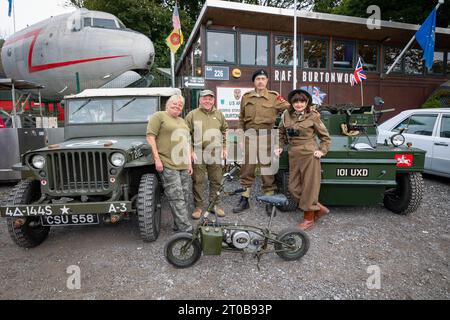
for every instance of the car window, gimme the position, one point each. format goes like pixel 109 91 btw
pixel 445 126
pixel 134 109
pixel 90 111
pixel 420 124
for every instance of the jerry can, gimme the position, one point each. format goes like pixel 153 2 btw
pixel 211 240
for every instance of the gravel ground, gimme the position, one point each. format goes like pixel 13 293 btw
pixel 411 252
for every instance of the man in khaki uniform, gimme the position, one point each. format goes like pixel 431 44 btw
pixel 208 129
pixel 299 127
pixel 259 110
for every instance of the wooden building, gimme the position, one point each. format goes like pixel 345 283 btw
pixel 231 40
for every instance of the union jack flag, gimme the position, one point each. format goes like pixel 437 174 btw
pixel 359 74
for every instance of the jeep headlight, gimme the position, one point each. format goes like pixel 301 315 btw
pixel 38 161
pixel 117 159
pixel 397 140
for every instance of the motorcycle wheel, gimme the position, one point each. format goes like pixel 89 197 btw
pixel 180 253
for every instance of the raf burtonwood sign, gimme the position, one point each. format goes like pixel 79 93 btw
pixel 314 76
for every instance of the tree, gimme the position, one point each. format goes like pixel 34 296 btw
pixel 407 11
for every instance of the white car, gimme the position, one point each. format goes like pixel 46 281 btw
pixel 426 129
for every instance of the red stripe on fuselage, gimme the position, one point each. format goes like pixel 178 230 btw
pixel 42 67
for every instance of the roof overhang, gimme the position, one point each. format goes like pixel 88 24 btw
pixel 247 16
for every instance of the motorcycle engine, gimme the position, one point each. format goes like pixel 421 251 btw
pixel 245 240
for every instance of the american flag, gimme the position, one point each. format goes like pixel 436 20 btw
pixel 359 74
pixel 176 18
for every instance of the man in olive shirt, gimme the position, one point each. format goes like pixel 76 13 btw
pixel 208 129
pixel 259 110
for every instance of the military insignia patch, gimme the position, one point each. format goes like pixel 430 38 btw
pixel 280 98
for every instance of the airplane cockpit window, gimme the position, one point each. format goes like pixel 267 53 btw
pixel 104 23
pixel 88 22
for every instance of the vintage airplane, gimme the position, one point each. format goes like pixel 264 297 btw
pixel 94 44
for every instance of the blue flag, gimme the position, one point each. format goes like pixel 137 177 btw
pixel 425 37
pixel 10 8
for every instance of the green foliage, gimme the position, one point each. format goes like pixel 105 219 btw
pixel 434 101
pixel 408 11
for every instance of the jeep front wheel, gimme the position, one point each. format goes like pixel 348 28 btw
pixel 26 232
pixel 407 196
pixel 149 207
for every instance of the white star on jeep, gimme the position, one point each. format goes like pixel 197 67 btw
pixel 64 210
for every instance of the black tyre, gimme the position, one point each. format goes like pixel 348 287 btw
pixel 282 179
pixel 292 236
pixel 31 233
pixel 180 253
pixel 408 194
pixel 149 207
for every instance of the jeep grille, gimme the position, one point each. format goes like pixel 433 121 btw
pixel 78 172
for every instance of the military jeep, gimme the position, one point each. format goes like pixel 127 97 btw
pixel 102 173
pixel 359 172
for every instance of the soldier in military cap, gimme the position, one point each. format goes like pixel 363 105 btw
pixel 259 110
pixel 299 127
pixel 208 128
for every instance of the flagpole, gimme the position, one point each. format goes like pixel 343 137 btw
pixel 362 94
pixel 295 47
pixel 406 48
pixel 172 67
pixel 14 15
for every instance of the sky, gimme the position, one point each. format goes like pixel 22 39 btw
pixel 29 12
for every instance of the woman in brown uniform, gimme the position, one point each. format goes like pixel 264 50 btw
pixel 299 128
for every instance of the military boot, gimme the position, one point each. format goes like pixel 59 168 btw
pixel 243 202
pixel 308 221
pixel 321 212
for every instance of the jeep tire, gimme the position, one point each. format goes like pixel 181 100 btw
pixel 149 207
pixel 31 233
pixel 407 196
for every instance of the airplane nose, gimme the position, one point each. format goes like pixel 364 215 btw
pixel 143 52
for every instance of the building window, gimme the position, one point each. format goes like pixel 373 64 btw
pixel 369 56
pixel 343 54
pixel 448 63
pixel 413 61
pixel 438 63
pixel 254 49
pixel 315 53
pixel 220 47
pixel 390 54
pixel 284 51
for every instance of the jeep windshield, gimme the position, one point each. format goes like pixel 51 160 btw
pixel 126 109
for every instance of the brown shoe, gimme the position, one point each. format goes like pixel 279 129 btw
pixel 308 221
pixel 321 212
pixel 219 212
pixel 197 213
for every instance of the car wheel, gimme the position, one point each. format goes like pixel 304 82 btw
pixel 408 194
pixel 149 207
pixel 29 232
